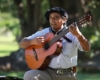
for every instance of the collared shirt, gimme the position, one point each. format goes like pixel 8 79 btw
pixel 69 54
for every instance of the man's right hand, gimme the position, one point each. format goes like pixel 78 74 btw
pixel 38 40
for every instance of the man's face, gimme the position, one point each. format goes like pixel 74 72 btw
pixel 56 20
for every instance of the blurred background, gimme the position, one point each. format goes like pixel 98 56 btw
pixel 21 18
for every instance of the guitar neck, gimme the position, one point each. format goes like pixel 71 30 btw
pixel 64 32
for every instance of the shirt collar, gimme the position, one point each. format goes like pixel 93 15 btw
pixel 63 27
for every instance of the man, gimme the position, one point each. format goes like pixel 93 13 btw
pixel 61 67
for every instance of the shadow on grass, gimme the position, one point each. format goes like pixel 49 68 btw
pixel 90 71
pixel 12 74
pixel 89 75
pixel 9 78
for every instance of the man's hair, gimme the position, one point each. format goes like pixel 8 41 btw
pixel 58 10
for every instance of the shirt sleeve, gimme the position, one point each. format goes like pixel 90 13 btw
pixel 38 34
pixel 78 44
pixel 75 41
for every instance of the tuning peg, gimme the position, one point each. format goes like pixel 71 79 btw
pixel 84 25
pixel 87 22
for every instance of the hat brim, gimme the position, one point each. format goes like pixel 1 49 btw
pixel 47 14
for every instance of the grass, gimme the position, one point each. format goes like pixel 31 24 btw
pixel 88 76
pixel 12 74
pixel 8 44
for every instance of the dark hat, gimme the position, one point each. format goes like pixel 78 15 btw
pixel 58 10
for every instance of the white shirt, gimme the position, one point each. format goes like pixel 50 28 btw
pixel 69 54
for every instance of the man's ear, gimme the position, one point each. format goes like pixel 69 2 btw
pixel 64 20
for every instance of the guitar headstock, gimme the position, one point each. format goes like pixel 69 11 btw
pixel 84 20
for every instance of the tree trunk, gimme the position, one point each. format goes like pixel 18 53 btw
pixel 37 16
pixel 32 22
pixel 21 15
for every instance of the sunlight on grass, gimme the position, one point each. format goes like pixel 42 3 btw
pixel 6 38
pixel 7 45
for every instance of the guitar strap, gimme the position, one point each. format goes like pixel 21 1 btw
pixel 54 32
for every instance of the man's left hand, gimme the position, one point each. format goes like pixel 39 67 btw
pixel 74 30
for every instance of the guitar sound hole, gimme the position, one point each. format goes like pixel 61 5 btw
pixel 35 54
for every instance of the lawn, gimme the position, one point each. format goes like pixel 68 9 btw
pixel 8 44
pixel 12 74
pixel 88 76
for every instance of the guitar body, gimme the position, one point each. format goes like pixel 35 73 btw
pixel 37 57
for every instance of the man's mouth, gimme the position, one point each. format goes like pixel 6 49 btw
pixel 53 24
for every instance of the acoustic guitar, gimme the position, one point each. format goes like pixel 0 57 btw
pixel 39 56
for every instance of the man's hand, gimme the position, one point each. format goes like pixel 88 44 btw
pixel 38 40
pixel 75 30
pixel 83 41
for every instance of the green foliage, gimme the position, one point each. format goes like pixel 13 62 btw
pixel 95 41
pixel 93 35
pixel 7 6
pixel 88 31
pixel 44 7
pixel 94 6
pixel 11 23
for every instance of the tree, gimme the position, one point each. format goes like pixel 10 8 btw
pixel 31 23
